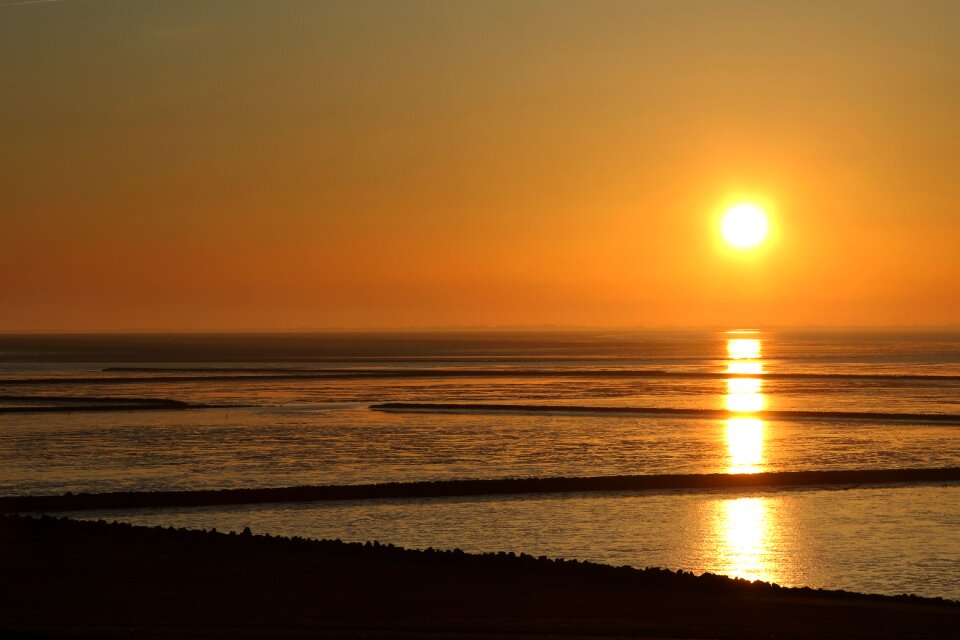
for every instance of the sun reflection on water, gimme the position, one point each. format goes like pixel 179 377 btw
pixel 744 433
pixel 745 367
pixel 744 444
pixel 745 528
pixel 743 348
pixel 742 525
pixel 744 395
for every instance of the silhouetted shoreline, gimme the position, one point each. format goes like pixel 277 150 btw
pixel 70 579
pixel 462 488
pixel 259 374
pixel 672 412
pixel 71 404
pixel 533 372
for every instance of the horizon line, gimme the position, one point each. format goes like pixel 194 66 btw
pixel 519 328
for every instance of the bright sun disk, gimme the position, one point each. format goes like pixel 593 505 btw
pixel 744 226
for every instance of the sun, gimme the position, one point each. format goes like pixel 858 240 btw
pixel 744 226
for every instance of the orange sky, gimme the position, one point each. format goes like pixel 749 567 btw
pixel 243 165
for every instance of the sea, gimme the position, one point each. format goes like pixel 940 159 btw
pixel 91 413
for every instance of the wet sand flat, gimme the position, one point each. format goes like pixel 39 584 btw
pixel 474 487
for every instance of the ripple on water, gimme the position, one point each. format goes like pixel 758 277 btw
pixel 883 540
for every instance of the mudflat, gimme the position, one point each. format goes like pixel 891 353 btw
pixel 469 487
pixel 64 578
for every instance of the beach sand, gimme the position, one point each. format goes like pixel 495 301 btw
pixel 69 579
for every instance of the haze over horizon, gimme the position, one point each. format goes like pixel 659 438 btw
pixel 505 329
pixel 240 165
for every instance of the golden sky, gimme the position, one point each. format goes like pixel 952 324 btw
pixel 241 165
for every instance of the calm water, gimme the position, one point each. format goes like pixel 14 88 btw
pixel 305 419
pixel 879 540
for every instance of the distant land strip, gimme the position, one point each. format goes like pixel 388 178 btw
pixel 240 374
pixel 530 372
pixel 719 414
pixel 68 404
pixel 466 488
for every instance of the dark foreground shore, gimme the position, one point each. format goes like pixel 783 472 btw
pixel 71 579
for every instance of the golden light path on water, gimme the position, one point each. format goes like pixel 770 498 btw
pixel 745 525
pixel 742 525
pixel 744 397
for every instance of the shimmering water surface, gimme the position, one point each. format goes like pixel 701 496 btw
pixel 285 410
pixel 880 540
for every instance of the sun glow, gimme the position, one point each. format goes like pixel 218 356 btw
pixel 744 226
